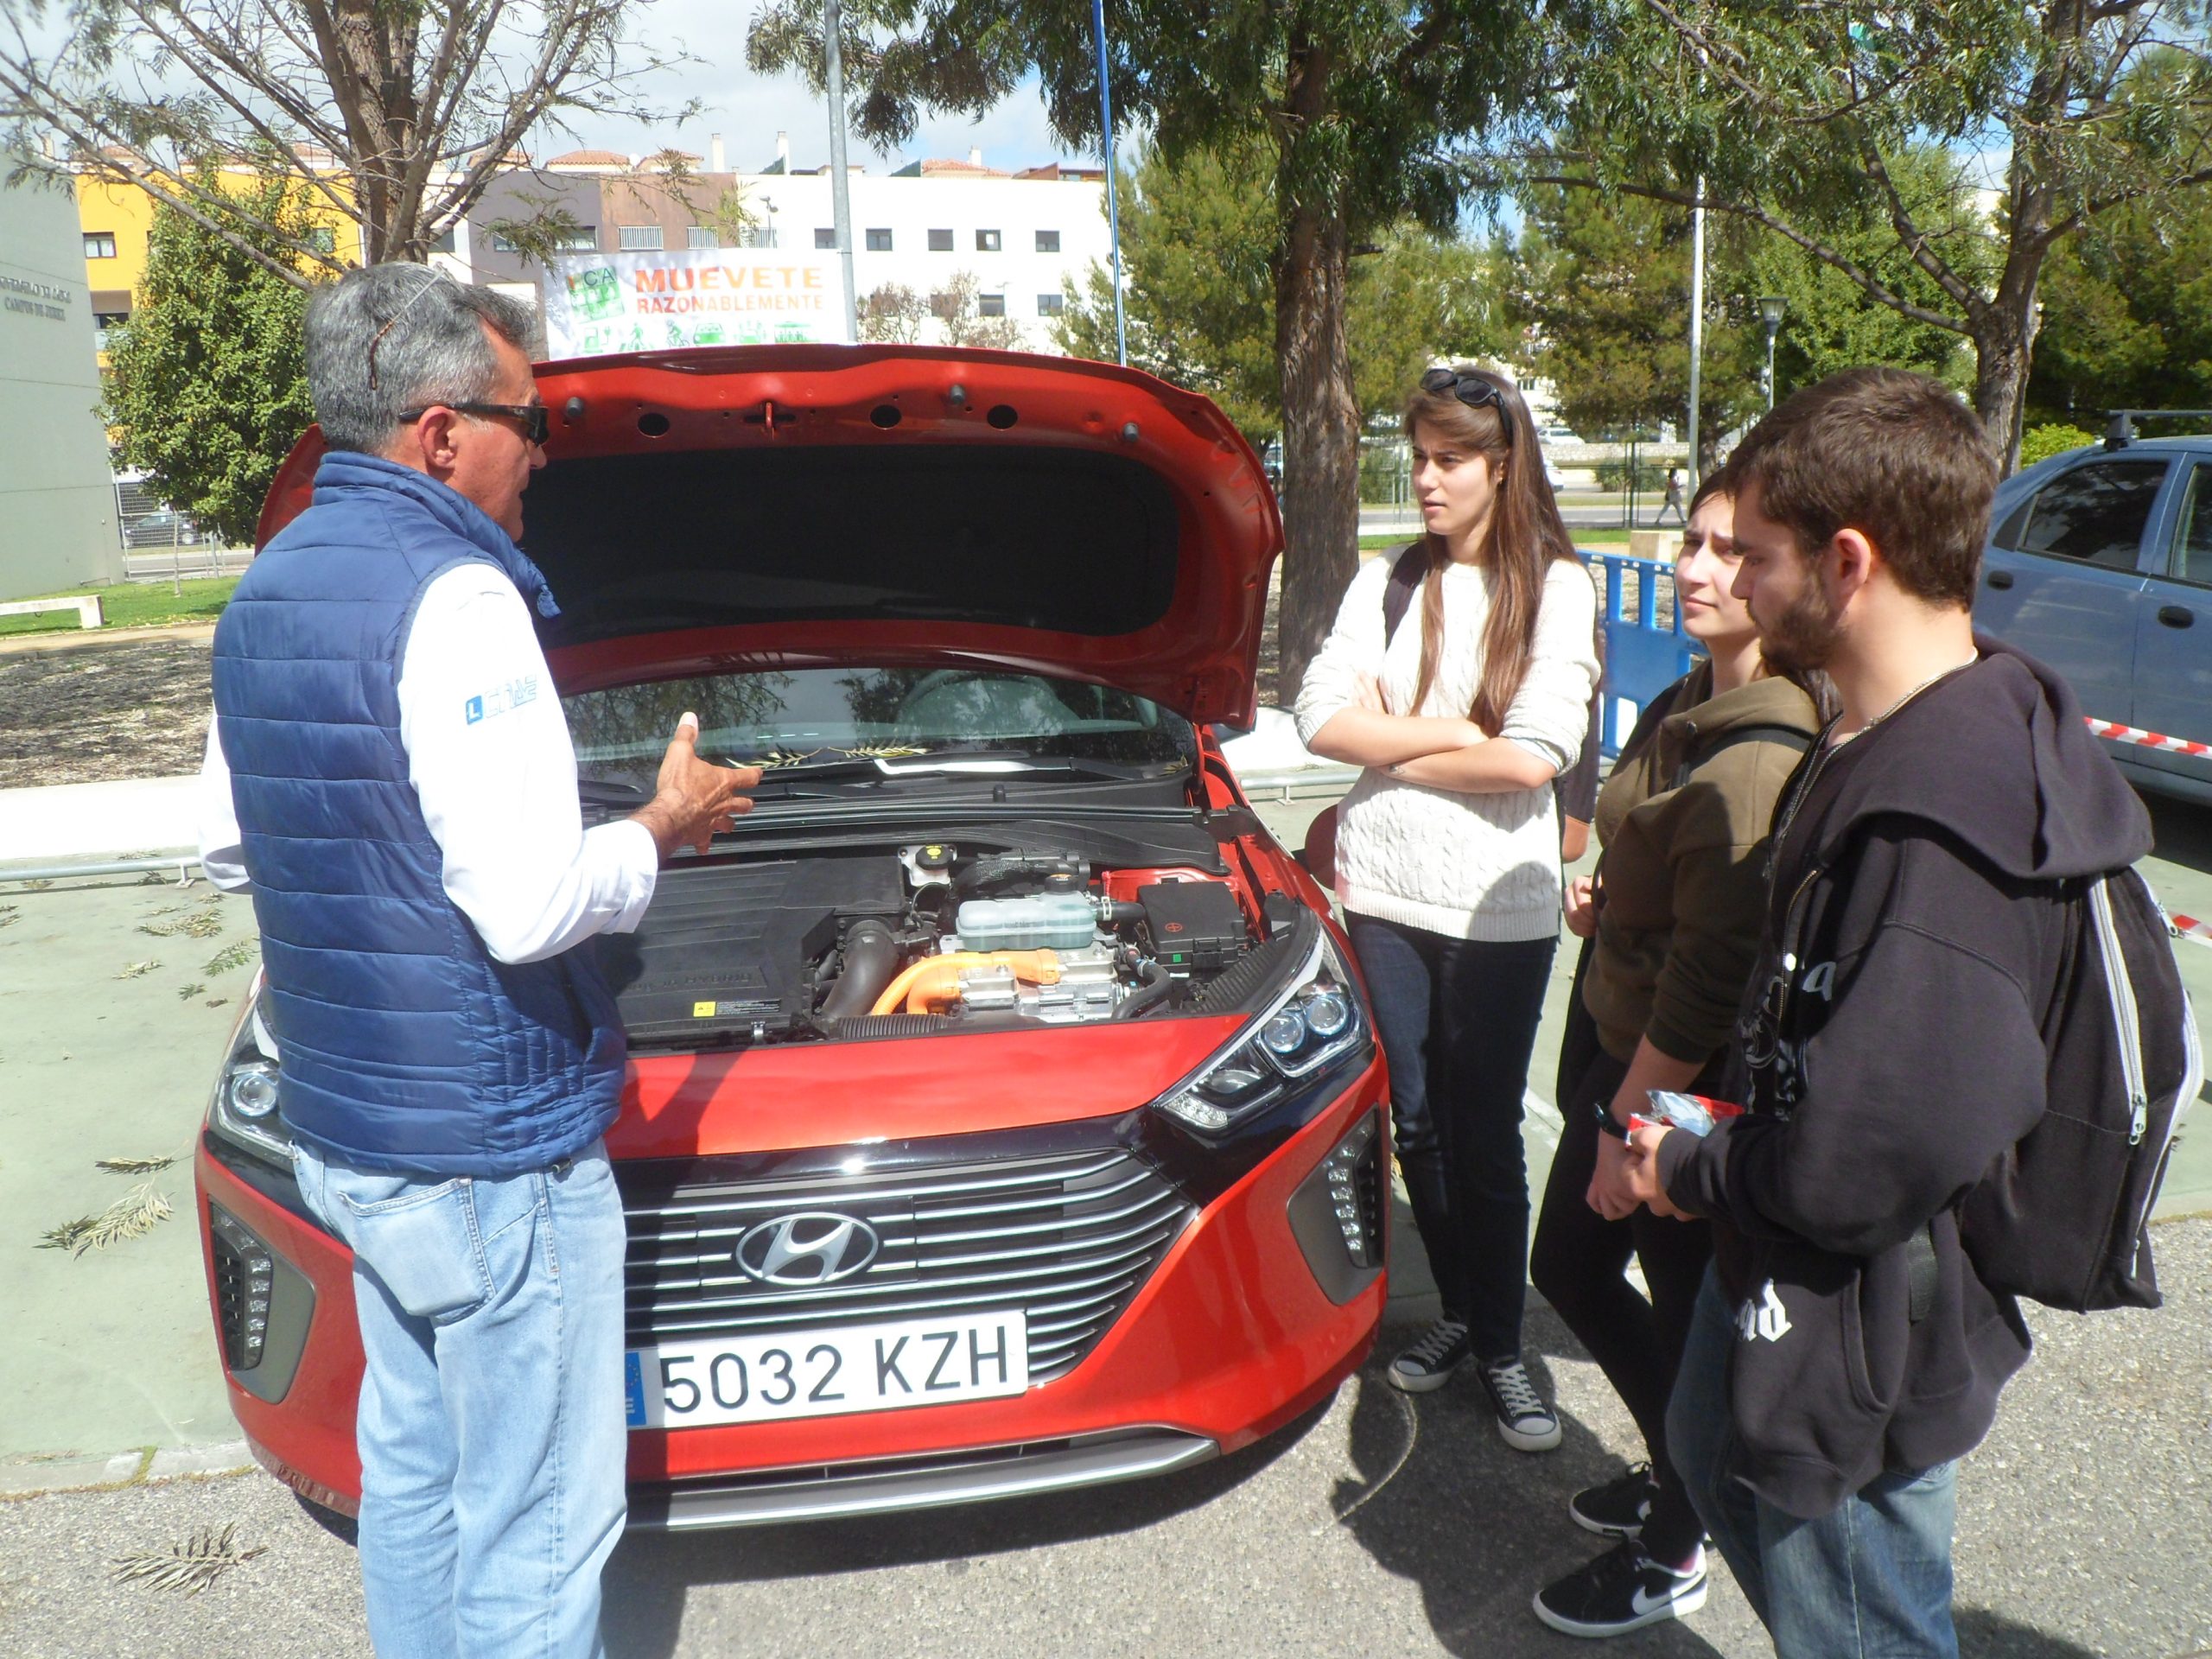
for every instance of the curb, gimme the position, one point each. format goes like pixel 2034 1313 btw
pixel 138 1468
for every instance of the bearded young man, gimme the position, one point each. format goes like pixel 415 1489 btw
pixel 1844 1353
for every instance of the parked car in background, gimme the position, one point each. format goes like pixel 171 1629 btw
pixel 2099 563
pixel 1003 1112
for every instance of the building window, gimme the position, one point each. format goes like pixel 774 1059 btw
pixel 1048 241
pixel 444 243
pixel 502 244
pixel 990 305
pixel 323 239
pixel 638 238
pixel 100 244
pixel 825 237
pixel 987 241
pixel 940 241
pixel 701 236
pixel 107 321
pixel 585 239
pixel 879 241
pixel 1050 305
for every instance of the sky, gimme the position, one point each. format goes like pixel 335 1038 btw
pixel 749 109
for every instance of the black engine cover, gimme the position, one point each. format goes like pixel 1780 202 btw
pixel 726 947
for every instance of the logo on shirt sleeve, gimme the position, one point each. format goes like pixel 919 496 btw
pixel 487 705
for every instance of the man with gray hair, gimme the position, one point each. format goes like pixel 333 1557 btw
pixel 391 773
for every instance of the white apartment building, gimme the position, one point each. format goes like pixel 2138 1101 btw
pixel 1020 235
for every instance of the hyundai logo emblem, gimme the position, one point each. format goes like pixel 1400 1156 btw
pixel 817 1247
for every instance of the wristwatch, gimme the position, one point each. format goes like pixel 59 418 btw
pixel 1608 1124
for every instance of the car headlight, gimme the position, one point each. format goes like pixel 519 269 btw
pixel 243 1109
pixel 1313 1022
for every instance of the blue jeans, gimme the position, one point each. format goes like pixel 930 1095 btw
pixel 1870 1581
pixel 491 1424
pixel 1458 1020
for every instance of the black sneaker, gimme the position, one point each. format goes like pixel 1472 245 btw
pixel 1619 1508
pixel 1430 1361
pixel 1524 1419
pixel 1623 1590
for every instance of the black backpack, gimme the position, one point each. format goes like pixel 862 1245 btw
pixel 2063 1217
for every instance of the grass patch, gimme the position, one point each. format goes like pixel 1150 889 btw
pixel 133 605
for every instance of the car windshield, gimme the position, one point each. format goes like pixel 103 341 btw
pixel 879 721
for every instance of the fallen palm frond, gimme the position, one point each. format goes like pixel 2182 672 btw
pixel 137 1212
pixel 9 916
pixel 191 1567
pixel 199 925
pixel 133 1166
pixel 230 957
pixel 185 993
pixel 66 1235
pixel 138 970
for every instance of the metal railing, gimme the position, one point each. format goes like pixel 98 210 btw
pixel 1646 650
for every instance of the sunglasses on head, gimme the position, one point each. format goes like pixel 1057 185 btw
pixel 1471 390
pixel 537 418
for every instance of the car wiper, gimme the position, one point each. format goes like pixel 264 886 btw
pixel 983 761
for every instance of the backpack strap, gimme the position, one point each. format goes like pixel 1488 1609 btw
pixel 1788 737
pixel 1406 573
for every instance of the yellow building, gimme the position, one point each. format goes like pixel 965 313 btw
pixel 117 219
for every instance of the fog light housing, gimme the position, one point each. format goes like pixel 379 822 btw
pixel 1339 1213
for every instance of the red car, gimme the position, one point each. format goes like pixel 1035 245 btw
pixel 1003 1113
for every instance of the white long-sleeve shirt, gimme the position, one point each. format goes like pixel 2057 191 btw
pixel 1469 865
pixel 489 755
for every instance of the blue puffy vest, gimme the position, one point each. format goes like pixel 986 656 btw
pixel 405 1046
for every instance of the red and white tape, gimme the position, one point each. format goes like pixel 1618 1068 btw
pixel 2188 927
pixel 2136 734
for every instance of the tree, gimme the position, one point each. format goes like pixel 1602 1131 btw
pixel 893 312
pixel 1795 116
pixel 394 114
pixel 1603 285
pixel 2128 317
pixel 206 386
pixel 1354 107
pixel 1200 295
pixel 958 309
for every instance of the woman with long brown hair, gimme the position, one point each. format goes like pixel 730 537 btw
pixel 1447 847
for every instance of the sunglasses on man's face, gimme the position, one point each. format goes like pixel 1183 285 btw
pixel 537 419
pixel 1472 390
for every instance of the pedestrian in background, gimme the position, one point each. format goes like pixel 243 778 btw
pixel 391 769
pixel 1673 503
pixel 1669 922
pixel 1927 863
pixel 1448 849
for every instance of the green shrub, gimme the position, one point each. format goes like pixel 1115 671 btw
pixel 2042 442
pixel 1650 475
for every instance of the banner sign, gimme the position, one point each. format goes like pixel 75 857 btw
pixel 600 302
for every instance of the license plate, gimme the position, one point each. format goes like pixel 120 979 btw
pixel 819 1373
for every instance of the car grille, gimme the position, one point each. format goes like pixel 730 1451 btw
pixel 1066 1238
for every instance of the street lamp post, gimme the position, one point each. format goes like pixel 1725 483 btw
pixel 1771 307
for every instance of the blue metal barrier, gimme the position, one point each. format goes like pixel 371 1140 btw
pixel 1643 657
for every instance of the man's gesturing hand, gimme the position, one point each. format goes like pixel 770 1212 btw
pixel 696 798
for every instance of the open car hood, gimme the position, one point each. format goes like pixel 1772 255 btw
pixel 759 507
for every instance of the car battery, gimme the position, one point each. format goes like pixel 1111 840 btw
pixel 1194 925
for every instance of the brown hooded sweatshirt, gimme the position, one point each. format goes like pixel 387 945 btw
pixel 1683 883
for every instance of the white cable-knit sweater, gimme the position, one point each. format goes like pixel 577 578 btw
pixel 1473 866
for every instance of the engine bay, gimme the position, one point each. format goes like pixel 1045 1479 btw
pixel 916 938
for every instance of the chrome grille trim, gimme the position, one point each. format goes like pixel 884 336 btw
pixel 1067 1238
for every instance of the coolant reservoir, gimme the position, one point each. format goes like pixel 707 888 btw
pixel 1042 921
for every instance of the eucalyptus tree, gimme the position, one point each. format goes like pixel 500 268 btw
pixel 1797 116
pixel 394 114
pixel 1358 108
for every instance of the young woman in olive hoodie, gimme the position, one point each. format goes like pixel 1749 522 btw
pixel 1672 921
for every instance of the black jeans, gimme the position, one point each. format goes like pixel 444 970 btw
pixel 1458 1020
pixel 1578 1264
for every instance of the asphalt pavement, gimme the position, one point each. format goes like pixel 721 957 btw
pixel 1379 1525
